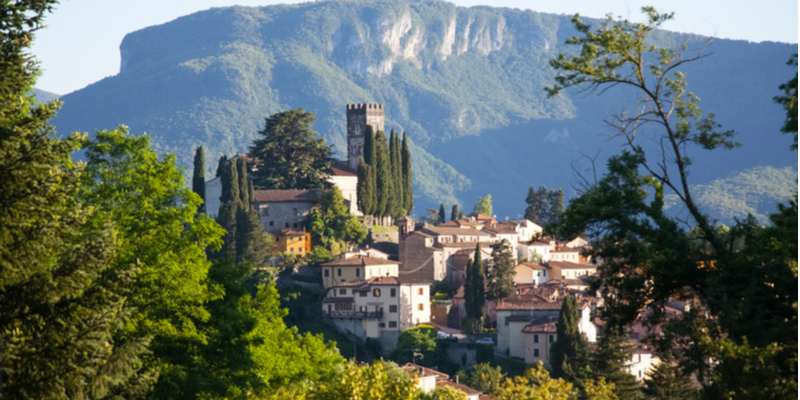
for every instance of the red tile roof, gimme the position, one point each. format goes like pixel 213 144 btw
pixel 464 388
pixel 541 325
pixel 570 265
pixel 533 265
pixel 360 261
pixel 526 302
pixel 416 370
pixel 340 168
pixel 273 196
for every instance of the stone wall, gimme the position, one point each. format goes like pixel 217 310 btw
pixel 279 215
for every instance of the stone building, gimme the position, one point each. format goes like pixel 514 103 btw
pixel 281 209
pixel 358 117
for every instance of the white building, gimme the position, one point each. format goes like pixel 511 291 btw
pixel 538 250
pixel 378 307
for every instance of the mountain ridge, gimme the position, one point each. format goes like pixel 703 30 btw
pixel 458 80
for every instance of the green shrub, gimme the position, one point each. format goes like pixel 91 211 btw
pixel 485 354
pixel 373 345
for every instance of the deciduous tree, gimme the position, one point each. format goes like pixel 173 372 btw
pixel 484 206
pixel 501 271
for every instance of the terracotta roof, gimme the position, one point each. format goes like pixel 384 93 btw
pixel 540 325
pixel 480 216
pixel 485 397
pixel 273 196
pixel 566 250
pixel 464 388
pixel 360 261
pixel 364 284
pixel 570 265
pixel 532 265
pixel 575 282
pixel 340 168
pixel 288 232
pixel 484 245
pixel 526 302
pixel 329 300
pixel 416 370
pixel 438 230
pixel 459 223
pixel 502 230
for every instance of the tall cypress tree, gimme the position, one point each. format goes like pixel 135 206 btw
pixel 397 172
pixel 199 176
pixel 454 213
pixel 229 206
pixel 609 362
pixel 474 292
pixel 223 161
pixel 442 215
pixel 365 189
pixel 570 352
pixel 251 243
pixel 501 275
pixel 408 192
pixel 244 197
pixel 370 158
pixel 383 176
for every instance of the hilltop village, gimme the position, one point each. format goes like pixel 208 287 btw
pixel 408 275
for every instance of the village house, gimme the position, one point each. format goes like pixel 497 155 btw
pixel 532 273
pixel 355 268
pixel 537 251
pixel 293 241
pixel 517 313
pixel 378 307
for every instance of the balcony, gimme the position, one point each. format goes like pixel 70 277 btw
pixel 349 314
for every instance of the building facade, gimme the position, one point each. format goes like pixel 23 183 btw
pixel 356 268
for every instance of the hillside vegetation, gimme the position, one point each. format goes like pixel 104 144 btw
pixel 755 191
pixel 464 83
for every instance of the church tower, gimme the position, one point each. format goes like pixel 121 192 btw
pixel 358 117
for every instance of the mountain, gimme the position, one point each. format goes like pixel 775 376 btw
pixel 43 96
pixel 756 191
pixel 465 83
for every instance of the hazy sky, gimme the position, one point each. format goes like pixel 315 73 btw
pixel 81 44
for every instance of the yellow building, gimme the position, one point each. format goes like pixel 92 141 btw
pixel 293 241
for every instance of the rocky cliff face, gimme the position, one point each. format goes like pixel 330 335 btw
pixel 464 83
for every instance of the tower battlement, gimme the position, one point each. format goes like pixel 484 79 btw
pixel 358 117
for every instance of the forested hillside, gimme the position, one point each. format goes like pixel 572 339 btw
pixel 466 84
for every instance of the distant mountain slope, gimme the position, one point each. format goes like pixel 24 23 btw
pixel 465 83
pixel 44 96
pixel 755 191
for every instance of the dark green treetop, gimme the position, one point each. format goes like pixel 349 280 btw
pixel 501 271
pixel 789 102
pixel 291 154
pixel 454 212
pixel 569 354
pixel 408 192
pixel 442 215
pixel 199 176
pixel 383 175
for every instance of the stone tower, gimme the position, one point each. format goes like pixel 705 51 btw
pixel 358 117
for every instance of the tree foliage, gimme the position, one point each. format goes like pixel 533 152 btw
pixel 408 191
pixel 417 345
pixel 484 206
pixel 199 176
pixel 475 293
pixel 384 184
pixel 501 271
pixel 569 354
pixel 291 155
pixel 454 212
pixel 331 222
pixel 544 207
pixel 738 281
pixel 483 377
pixel 789 102
pixel 442 215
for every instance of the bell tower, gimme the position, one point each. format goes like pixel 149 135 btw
pixel 358 117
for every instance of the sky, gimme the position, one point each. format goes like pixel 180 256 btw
pixel 80 45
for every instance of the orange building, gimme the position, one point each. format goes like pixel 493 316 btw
pixel 293 241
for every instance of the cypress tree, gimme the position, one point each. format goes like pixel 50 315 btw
pixel 408 192
pixel 555 200
pixel 251 243
pixel 474 292
pixel 442 215
pixel 223 161
pixel 454 213
pixel 383 176
pixel 570 352
pixel 370 158
pixel 230 201
pixel 609 362
pixel 199 176
pixel 460 215
pixel 365 189
pixel 397 170
pixel 244 197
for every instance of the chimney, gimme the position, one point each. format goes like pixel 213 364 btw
pixel 456 378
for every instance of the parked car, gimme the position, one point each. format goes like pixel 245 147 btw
pixel 444 335
pixel 486 340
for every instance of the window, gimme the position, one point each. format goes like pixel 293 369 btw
pixel 329 308
pixel 358 272
pixel 327 273
pixel 381 325
pixel 392 292
pixel 342 291
pixel 421 307
pixel 392 308
pixel 362 294
pixel 421 291
pixel 392 324
pixel 287 224
pixel 535 338
pixel 271 223
pixel 536 352
pixel 551 338
pixel 295 211
pixel 376 292
pixel 338 272
pixel 265 211
pixel 295 224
